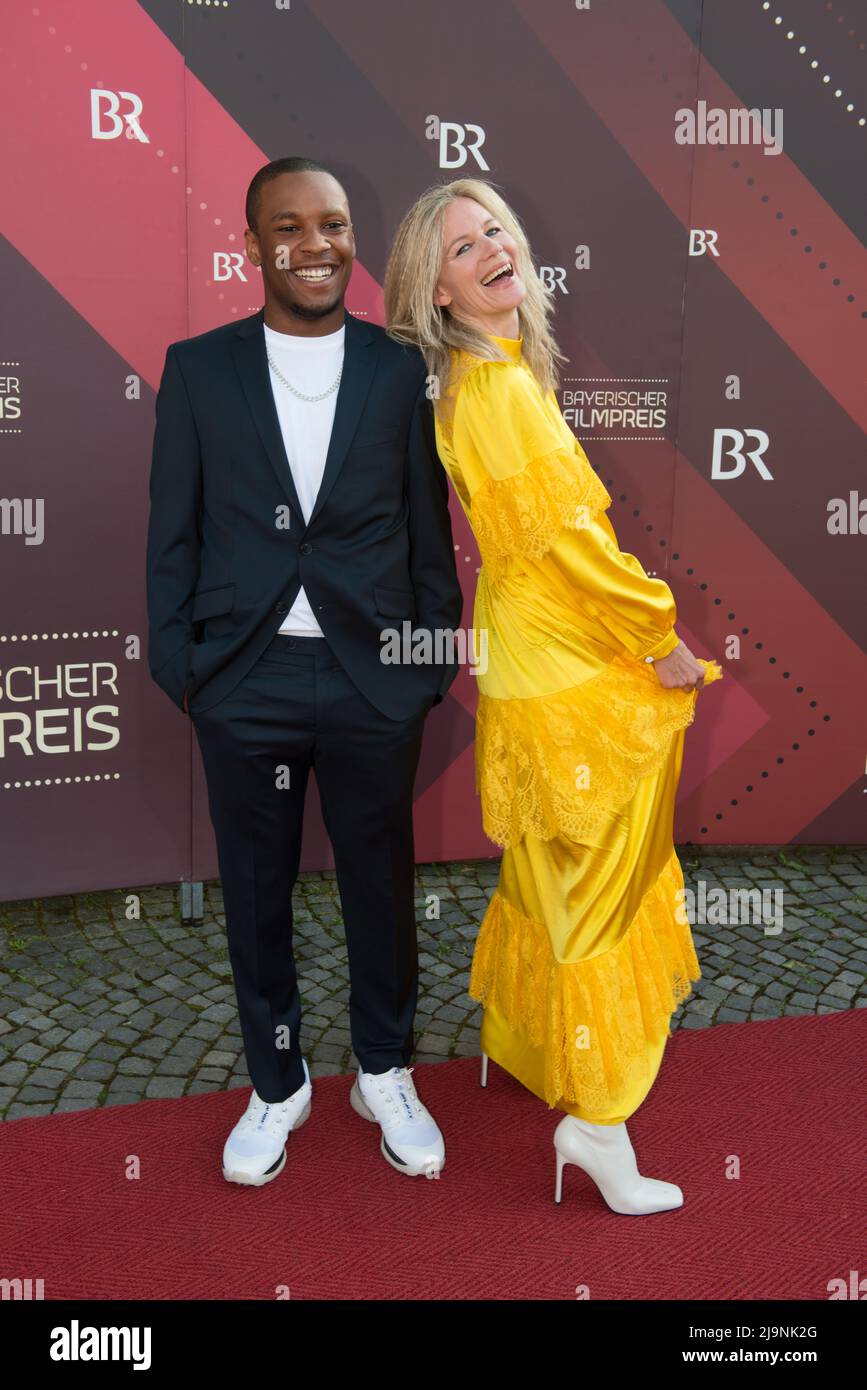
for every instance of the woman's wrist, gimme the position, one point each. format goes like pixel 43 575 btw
pixel 669 643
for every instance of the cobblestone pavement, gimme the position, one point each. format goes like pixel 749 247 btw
pixel 96 1009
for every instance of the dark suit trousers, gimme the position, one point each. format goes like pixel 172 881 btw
pixel 297 709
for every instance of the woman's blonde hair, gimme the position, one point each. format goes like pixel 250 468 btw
pixel 413 271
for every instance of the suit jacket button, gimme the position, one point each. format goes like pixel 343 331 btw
pixel 305 547
pixel 282 608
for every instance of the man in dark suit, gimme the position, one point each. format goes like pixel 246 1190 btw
pixel 298 511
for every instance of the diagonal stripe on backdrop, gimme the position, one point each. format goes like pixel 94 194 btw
pixel 106 220
pixel 762 259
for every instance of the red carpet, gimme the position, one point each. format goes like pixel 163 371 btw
pixel 784 1097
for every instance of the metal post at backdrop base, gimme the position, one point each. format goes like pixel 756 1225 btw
pixel 192 902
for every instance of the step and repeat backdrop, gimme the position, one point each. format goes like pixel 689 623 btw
pixel 691 178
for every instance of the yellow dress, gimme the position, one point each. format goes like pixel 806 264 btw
pixel 584 951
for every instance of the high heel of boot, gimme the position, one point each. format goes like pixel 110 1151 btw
pixel 558 1181
pixel 483 1079
pixel 606 1155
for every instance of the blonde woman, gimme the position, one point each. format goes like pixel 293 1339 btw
pixel 584 951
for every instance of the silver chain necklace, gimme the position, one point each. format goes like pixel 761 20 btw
pixel 300 394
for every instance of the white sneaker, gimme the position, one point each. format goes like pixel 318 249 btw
pixel 411 1139
pixel 255 1151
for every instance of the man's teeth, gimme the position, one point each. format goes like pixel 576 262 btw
pixel 316 273
pixel 495 273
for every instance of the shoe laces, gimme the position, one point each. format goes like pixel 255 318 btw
pixel 265 1117
pixel 399 1083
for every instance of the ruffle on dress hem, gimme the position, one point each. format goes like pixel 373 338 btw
pixel 560 764
pixel 523 515
pixel 624 998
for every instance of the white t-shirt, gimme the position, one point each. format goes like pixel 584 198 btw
pixel 311 364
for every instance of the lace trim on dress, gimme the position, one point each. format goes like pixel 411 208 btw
pixel 523 515
pixel 560 764
pixel 594 1017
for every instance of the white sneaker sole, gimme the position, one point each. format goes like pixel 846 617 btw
pixel 250 1179
pixel 360 1106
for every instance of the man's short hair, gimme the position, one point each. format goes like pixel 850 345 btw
pixel 294 164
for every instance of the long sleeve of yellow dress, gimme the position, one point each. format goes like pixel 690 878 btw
pixel 637 612
pixel 581 958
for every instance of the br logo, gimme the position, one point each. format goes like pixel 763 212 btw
pixel 735 440
pixel 456 142
pixel 227 264
pixel 108 121
pixel 553 278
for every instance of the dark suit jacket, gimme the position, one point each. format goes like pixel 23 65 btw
pixel 228 548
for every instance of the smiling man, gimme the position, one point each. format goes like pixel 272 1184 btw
pixel 298 510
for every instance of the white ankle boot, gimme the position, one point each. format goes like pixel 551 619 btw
pixel 605 1154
